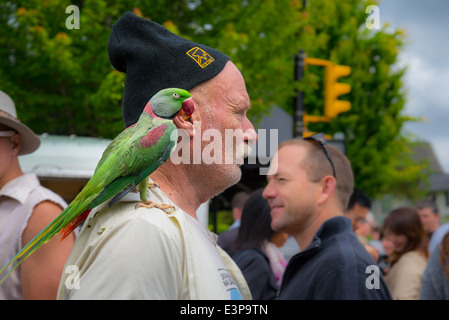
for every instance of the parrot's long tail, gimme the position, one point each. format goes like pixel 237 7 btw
pixel 59 223
pixel 74 224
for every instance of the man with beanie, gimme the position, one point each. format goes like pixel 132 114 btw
pixel 26 208
pixel 128 253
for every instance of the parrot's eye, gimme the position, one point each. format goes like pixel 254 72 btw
pixel 175 95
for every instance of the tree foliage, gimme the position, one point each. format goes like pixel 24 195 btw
pixel 60 78
pixel 63 83
pixel 380 154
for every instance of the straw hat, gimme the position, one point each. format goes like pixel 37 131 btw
pixel 8 117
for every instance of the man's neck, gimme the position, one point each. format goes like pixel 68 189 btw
pixel 305 236
pixel 174 183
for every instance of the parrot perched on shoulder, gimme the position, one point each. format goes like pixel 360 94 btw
pixel 125 164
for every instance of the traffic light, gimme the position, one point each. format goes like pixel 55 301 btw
pixel 334 89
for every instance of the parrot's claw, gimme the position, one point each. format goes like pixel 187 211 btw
pixel 153 185
pixel 167 208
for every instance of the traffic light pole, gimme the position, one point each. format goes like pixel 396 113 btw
pixel 332 90
pixel 298 106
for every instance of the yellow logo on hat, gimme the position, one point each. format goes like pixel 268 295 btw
pixel 200 56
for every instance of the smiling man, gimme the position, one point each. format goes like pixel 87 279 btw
pixel 308 194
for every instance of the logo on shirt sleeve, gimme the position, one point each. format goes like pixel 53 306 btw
pixel 230 284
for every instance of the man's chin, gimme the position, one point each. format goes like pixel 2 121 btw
pixel 227 175
pixel 236 174
pixel 276 220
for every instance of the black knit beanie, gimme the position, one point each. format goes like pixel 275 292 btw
pixel 153 58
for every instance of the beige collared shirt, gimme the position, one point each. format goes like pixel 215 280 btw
pixel 128 253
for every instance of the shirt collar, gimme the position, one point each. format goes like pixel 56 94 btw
pixel 20 187
pixel 329 228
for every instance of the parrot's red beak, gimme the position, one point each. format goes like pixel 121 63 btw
pixel 187 108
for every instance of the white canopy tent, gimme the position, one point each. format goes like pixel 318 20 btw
pixel 65 157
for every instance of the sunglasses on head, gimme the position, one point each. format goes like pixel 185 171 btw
pixel 320 140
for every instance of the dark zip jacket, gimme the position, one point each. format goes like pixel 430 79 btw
pixel 335 266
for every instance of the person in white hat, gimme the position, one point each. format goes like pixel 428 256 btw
pixel 26 208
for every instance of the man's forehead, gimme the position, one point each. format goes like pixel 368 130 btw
pixel 426 210
pixel 233 84
pixel 291 152
pixel 281 162
pixel 359 210
pixel 287 159
pixel 229 85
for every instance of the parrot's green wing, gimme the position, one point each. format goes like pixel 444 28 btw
pixel 122 138
pixel 123 185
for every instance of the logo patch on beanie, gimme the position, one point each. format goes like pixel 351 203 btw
pixel 200 56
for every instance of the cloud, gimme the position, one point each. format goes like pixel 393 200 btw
pixel 427 85
pixel 427 77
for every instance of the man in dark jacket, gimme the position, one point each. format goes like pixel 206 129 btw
pixel 309 185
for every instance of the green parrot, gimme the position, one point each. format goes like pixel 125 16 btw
pixel 125 164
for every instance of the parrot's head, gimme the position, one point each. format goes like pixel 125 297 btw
pixel 168 103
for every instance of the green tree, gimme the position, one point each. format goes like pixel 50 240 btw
pixel 60 78
pixel 379 152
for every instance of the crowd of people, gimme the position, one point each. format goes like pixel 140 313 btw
pixel 400 246
pixel 124 252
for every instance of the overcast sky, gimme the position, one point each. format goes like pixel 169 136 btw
pixel 426 23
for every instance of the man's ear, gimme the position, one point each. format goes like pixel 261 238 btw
pixel 328 187
pixel 187 124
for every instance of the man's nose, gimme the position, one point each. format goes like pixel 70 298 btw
pixel 249 134
pixel 268 192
